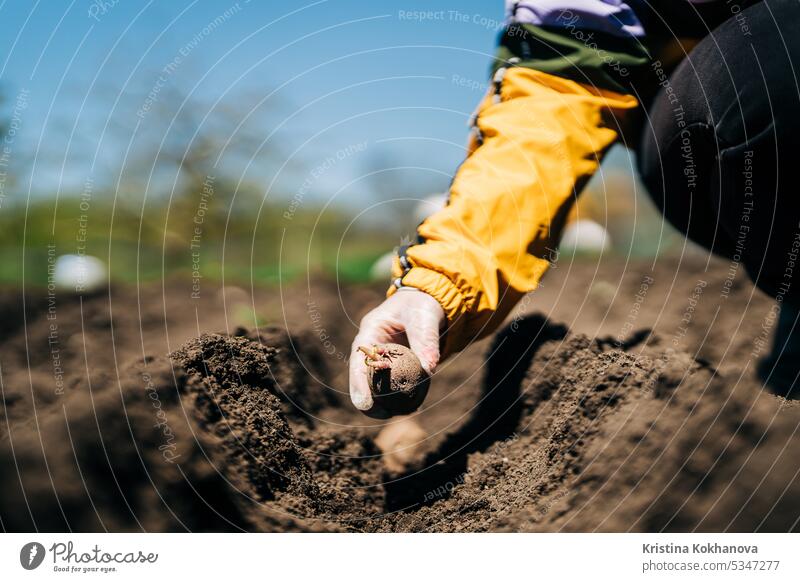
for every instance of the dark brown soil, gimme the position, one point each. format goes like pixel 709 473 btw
pixel 120 412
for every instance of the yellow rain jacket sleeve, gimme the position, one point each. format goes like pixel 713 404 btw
pixel 539 138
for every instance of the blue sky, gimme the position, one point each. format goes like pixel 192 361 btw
pixel 337 73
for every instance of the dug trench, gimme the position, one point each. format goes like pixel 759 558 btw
pixel 560 432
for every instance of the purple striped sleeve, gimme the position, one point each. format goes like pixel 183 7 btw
pixel 608 16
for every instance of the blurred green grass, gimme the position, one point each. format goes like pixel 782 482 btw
pixel 154 241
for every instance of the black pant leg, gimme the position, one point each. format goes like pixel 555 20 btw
pixel 721 139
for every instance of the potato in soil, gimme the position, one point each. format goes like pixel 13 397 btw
pixel 396 378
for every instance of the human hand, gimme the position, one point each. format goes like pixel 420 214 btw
pixel 409 317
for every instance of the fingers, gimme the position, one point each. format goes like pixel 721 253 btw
pixel 360 394
pixel 424 323
pixel 423 339
pixel 408 315
pixel 369 334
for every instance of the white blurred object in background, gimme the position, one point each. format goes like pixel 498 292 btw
pixel 381 269
pixel 428 206
pixel 585 236
pixel 79 273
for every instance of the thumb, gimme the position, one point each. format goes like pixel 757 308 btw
pixel 422 332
